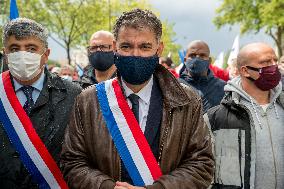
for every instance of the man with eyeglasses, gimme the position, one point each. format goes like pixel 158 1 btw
pixel 100 53
pixel 248 125
pixel 198 75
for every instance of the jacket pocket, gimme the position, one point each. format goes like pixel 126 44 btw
pixel 229 156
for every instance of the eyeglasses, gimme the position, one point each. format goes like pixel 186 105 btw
pixel 99 48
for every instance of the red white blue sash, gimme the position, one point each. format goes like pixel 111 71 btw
pixel 25 140
pixel 127 135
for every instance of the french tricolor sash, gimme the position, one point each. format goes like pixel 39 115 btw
pixel 25 140
pixel 127 135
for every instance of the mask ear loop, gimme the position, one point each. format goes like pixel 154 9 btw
pixel 254 69
pixel 45 64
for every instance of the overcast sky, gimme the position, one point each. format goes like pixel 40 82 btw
pixel 193 20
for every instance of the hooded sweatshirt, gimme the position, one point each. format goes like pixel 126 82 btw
pixel 268 126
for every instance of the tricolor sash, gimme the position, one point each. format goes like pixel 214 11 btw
pixel 127 135
pixel 25 140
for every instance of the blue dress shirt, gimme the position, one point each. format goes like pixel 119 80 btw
pixel 38 85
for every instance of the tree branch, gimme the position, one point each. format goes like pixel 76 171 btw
pixel 58 42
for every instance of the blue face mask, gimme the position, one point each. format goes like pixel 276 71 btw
pixel 197 66
pixel 136 70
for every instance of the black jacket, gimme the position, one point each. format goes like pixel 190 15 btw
pixel 49 116
pixel 89 77
pixel 231 117
pixel 234 143
pixel 210 88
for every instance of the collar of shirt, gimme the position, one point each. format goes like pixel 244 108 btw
pixel 144 94
pixel 38 84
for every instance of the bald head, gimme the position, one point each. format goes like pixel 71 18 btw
pixel 101 38
pixel 198 44
pixel 198 49
pixel 253 52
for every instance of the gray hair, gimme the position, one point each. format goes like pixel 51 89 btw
pixel 67 67
pixel 22 28
pixel 138 19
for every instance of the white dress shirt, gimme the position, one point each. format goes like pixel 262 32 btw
pixel 144 101
pixel 38 85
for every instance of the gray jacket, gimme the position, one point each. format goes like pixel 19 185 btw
pixel 235 125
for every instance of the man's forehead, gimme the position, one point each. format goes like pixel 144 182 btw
pixel 198 49
pixel 131 34
pixel 258 55
pixel 30 40
pixel 254 49
pixel 100 40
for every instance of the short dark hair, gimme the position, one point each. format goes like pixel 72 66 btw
pixel 138 18
pixel 22 28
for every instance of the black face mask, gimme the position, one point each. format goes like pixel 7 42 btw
pixel 101 61
pixel 136 69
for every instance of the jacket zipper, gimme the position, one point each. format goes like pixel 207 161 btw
pixel 251 126
pixel 273 152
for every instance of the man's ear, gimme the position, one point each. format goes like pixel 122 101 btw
pixel 160 49
pixel 4 59
pixel 244 71
pixel 45 56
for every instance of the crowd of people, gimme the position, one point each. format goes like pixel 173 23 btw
pixel 133 121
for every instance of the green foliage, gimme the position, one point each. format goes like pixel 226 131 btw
pixel 3 17
pixel 53 63
pixel 168 40
pixel 72 22
pixel 254 15
pixel 1 44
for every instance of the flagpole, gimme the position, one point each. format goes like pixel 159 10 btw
pixel 14 13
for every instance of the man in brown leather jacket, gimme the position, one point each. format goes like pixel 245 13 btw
pixel 169 115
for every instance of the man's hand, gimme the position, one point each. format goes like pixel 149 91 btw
pixel 125 185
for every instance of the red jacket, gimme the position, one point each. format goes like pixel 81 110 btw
pixel 220 73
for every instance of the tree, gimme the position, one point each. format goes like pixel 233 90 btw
pixel 3 17
pixel 71 22
pixel 169 42
pixel 254 15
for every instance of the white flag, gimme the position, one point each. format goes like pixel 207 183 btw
pixel 234 51
pixel 219 62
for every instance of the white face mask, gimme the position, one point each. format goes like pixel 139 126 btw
pixel 24 65
pixel 67 77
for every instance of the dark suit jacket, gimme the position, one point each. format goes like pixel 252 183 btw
pixel 49 116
